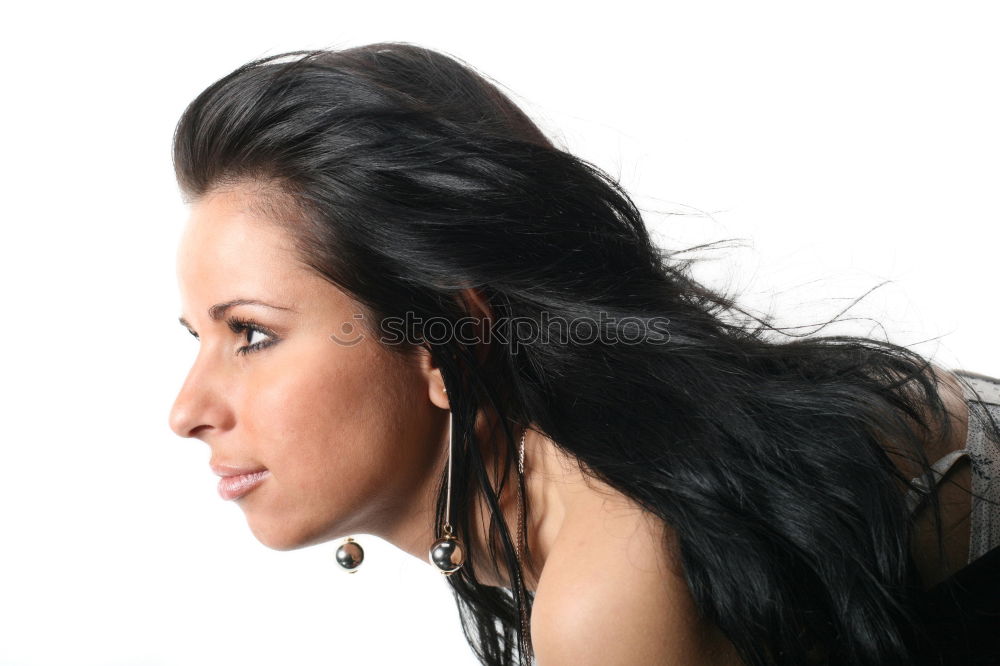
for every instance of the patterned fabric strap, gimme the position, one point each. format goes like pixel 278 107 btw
pixel 983 395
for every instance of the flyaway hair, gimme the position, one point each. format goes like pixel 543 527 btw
pixel 405 178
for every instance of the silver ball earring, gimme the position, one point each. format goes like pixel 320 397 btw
pixel 448 552
pixel 350 555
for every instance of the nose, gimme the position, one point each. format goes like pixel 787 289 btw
pixel 198 407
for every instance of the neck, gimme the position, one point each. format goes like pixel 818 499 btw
pixel 555 489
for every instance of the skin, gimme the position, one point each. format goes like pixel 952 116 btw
pixel 356 437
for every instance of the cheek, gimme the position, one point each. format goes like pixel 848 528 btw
pixel 302 411
pixel 333 426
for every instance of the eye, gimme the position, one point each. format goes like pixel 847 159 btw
pixel 252 333
pixel 250 328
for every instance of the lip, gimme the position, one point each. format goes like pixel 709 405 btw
pixel 234 470
pixel 234 486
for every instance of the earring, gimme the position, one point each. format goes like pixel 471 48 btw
pixel 448 553
pixel 350 555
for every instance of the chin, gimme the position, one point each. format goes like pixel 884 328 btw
pixel 281 537
pixel 286 537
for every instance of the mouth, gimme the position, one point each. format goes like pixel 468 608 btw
pixel 235 486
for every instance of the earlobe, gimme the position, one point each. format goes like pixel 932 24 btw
pixel 438 393
pixel 435 382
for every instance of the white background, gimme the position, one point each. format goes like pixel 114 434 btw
pixel 849 144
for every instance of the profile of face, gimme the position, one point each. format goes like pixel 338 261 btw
pixel 352 435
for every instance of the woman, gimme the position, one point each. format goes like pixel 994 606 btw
pixel 421 320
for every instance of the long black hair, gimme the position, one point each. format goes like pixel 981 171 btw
pixel 405 178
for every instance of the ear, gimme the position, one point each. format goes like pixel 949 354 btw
pixel 477 306
pixel 475 303
pixel 435 384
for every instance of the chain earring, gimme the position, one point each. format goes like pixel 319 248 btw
pixel 521 528
pixel 448 553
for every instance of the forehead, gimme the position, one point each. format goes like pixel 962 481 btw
pixel 227 246
pixel 226 223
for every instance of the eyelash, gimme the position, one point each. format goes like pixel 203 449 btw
pixel 239 325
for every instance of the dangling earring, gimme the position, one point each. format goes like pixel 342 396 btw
pixel 350 555
pixel 448 553
pixel 521 528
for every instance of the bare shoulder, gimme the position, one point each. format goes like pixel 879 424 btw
pixel 612 593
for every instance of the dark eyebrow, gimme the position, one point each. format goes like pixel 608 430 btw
pixel 218 311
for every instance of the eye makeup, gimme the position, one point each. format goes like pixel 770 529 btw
pixel 249 327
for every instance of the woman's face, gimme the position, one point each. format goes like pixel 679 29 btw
pixel 352 435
